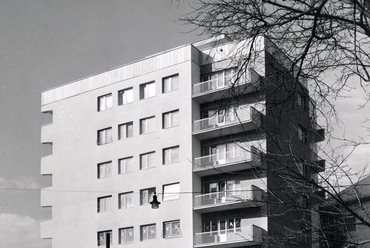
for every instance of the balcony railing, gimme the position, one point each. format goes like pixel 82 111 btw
pixel 241 114
pixel 219 159
pixel 251 234
pixel 228 197
pixel 222 82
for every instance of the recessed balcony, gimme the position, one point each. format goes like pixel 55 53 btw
pixel 228 200
pixel 226 86
pixel 236 121
pixel 235 160
pixel 319 165
pixel 239 237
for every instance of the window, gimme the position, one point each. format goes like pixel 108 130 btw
pixel 303 201
pixel 126 235
pixel 104 102
pixel 147 125
pixel 147 232
pixel 171 229
pixel 125 130
pixel 350 223
pixel 147 90
pixel 102 236
pixel 170 83
pixel 105 169
pixel 147 160
pixel 126 200
pixel 301 100
pixel 302 134
pixel 302 168
pixel 146 195
pixel 171 192
pixel 105 136
pixel 171 119
pixel 126 165
pixel 171 155
pixel 104 204
pixel 125 96
pixel 222 226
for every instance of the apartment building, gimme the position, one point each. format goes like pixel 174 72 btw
pixel 193 125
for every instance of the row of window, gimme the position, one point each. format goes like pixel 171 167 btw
pixel 126 199
pixel 147 125
pixel 147 160
pixel 147 90
pixel 171 229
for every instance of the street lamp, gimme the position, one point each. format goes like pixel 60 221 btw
pixel 155 203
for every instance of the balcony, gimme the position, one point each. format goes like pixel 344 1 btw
pixel 223 87
pixel 317 134
pixel 229 199
pixel 235 160
pixel 46 229
pixel 319 165
pixel 240 120
pixel 241 237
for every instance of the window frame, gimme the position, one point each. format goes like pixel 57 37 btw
pixel 172 195
pixel 145 125
pixel 172 85
pixel 104 237
pixel 142 227
pixel 172 158
pixel 150 193
pixel 108 136
pixel 102 106
pixel 126 196
pixel 107 204
pixel 128 133
pixel 126 229
pixel 170 235
pixel 173 119
pixel 145 90
pixel 121 96
pixel 302 134
pixel 104 164
pixel 148 156
pixel 120 171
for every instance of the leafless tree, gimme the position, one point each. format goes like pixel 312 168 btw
pixel 318 37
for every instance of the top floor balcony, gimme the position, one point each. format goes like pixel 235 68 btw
pixel 239 237
pixel 240 119
pixel 225 83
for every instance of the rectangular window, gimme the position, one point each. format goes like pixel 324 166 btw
pixel 105 136
pixel 125 130
pixel 146 195
pixel 302 134
pixel 171 192
pixel 126 200
pixel 125 96
pixel 102 237
pixel 171 155
pixel 303 201
pixel 147 160
pixel 171 229
pixel 170 83
pixel 147 90
pixel 147 125
pixel 105 169
pixel 126 165
pixel 126 235
pixel 171 119
pixel 148 232
pixel 301 100
pixel 104 102
pixel 104 203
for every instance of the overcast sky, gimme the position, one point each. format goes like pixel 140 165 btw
pixel 47 43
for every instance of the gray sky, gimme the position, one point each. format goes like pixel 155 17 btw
pixel 47 43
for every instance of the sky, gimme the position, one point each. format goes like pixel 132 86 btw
pixel 47 43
